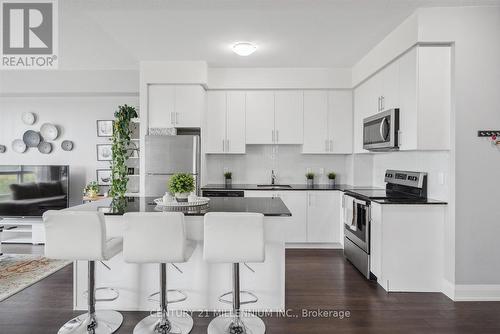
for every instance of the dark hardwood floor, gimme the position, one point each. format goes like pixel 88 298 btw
pixel 315 279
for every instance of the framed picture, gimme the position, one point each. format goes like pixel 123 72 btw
pixel 104 128
pixel 104 177
pixel 104 152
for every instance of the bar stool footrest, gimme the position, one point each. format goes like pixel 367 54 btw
pixel 254 298
pixel 115 296
pixel 182 298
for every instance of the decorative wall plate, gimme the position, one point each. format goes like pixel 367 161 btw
pixel 19 146
pixel 67 145
pixel 31 138
pixel 3 148
pixel 49 131
pixel 29 118
pixel 45 147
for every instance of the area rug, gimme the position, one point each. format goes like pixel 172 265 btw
pixel 19 271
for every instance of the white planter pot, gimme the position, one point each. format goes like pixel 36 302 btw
pixel 181 197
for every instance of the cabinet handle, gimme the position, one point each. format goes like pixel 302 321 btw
pixel 379 103
pixel 273 135
pixel 331 145
pixel 383 103
pixel 171 118
pixel 223 146
pixel 176 118
pixel 227 145
pixel 277 136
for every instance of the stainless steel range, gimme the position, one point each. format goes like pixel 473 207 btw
pixel 401 187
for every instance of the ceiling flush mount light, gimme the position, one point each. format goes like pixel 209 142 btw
pixel 244 48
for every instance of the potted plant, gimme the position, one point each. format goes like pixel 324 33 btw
pixel 310 179
pixel 180 185
pixel 120 144
pixel 228 178
pixel 331 179
pixel 92 189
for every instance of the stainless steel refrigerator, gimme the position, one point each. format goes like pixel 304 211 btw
pixel 168 155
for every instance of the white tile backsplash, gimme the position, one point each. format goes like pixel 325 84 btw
pixel 255 166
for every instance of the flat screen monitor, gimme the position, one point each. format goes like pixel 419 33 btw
pixel 29 190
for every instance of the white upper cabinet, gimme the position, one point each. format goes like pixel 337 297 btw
pixel 340 121
pixel 288 113
pixel 260 117
pixel 418 83
pixel 425 98
pixel 161 106
pixel 225 131
pixel 235 122
pixel 315 122
pixel 189 105
pixel 327 122
pixel 216 122
pixel 175 105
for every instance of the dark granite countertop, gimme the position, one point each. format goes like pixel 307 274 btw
pixel 271 207
pixel 356 190
pixel 292 187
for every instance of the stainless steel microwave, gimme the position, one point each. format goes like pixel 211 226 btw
pixel 380 131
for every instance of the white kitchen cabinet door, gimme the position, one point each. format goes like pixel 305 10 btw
pixel 408 78
pixel 260 193
pixel 161 106
pixel 315 122
pixel 296 202
pixel 390 86
pixel 189 105
pixel 259 117
pixel 340 117
pixel 289 117
pixel 235 122
pixel 323 216
pixel 216 122
pixel 376 241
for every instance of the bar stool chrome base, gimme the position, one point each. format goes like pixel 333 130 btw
pixel 251 324
pixel 108 322
pixel 180 322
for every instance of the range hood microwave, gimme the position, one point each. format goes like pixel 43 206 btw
pixel 380 131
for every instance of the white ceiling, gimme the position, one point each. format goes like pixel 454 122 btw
pixel 295 33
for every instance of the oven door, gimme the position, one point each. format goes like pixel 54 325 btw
pixel 357 222
pixel 380 131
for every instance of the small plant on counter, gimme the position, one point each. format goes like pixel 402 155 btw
pixel 228 178
pixel 181 185
pixel 331 179
pixel 310 179
pixel 92 189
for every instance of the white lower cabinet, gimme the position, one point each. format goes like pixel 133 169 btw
pixel 316 215
pixel 323 216
pixel 406 251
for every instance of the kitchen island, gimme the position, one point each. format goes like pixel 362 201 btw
pixel 202 282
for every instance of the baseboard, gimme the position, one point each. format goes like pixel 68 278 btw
pixel 449 289
pixel 315 245
pixel 477 292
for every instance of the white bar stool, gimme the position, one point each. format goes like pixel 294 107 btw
pixel 74 235
pixel 235 238
pixel 159 237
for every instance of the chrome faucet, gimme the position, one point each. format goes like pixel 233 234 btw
pixel 274 177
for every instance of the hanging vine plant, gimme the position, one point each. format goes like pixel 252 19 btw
pixel 120 145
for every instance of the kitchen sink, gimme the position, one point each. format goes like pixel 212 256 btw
pixel 274 186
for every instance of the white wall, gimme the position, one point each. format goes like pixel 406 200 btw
pixel 290 164
pixel 76 118
pixel 476 34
